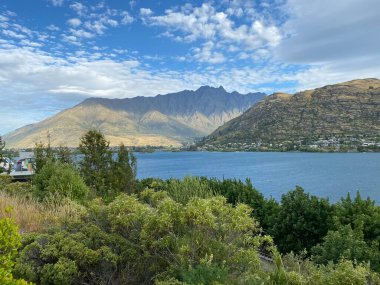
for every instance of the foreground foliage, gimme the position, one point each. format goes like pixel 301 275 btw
pixel 139 240
pixel 97 224
pixel 10 240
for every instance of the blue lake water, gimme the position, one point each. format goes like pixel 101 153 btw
pixel 330 175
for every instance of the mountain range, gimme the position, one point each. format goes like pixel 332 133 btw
pixel 345 109
pixel 170 119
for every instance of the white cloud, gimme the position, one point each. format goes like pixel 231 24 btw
pixel 146 12
pixel 97 27
pixel 191 24
pixel 3 18
pixel 57 2
pixel 79 8
pixel 206 54
pixel 52 28
pixel 74 22
pixel 317 34
pixel 339 43
pixel 29 43
pixel 132 4
pixel 112 23
pixel 93 20
pixel 81 33
pixel 25 74
pixel 126 18
pixel 13 34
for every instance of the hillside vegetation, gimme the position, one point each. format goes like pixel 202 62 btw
pixel 347 110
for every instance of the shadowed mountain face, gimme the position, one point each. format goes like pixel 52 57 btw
pixel 162 120
pixel 350 108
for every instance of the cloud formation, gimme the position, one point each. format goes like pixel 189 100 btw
pixel 99 50
pixel 338 43
pixel 205 22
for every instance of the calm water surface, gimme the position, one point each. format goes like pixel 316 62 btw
pixel 330 175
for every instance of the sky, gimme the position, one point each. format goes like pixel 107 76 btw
pixel 56 53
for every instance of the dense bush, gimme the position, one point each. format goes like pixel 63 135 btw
pixel 182 191
pixel 59 180
pixel 10 240
pixel 359 212
pixel 20 189
pixel 349 244
pixel 300 272
pixel 302 221
pixel 137 240
pixel 149 237
pixel 234 190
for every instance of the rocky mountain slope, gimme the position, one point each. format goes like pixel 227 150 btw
pixel 161 120
pixel 345 109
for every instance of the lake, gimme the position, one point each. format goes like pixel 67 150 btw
pixel 330 175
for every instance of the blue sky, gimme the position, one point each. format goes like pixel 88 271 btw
pixel 55 53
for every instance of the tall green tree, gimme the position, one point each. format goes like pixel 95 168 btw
pixel 302 221
pixel 42 154
pixel 359 211
pixel 97 162
pixel 124 172
pixel 64 154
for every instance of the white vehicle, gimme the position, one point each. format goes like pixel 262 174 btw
pixel 6 164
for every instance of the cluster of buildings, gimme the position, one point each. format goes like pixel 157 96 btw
pixel 320 144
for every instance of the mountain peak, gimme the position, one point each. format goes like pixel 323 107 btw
pixel 160 120
pixel 207 88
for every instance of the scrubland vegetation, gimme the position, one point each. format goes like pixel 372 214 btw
pixel 95 223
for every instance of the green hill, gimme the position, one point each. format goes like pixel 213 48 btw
pixel 348 109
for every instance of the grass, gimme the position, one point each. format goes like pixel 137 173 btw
pixel 33 216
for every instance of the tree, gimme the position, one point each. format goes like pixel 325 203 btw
pixel 43 154
pixel 124 172
pixel 64 154
pixel 106 176
pixel 302 221
pixel 97 162
pixel 346 243
pixel 356 212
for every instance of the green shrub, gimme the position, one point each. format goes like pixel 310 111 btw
pixel 59 180
pixel 136 241
pixel 349 244
pixel 183 191
pixel 20 189
pixel 10 240
pixel 82 254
